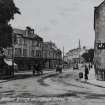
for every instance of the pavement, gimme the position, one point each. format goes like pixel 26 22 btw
pixel 93 80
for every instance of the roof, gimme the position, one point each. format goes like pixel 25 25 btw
pixel 23 34
pixel 51 45
pixel 36 37
pixel 19 31
pixel 72 50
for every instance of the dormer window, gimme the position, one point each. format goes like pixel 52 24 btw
pixel 29 31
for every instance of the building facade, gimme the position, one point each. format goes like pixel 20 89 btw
pixel 51 54
pixel 99 53
pixel 73 56
pixel 27 48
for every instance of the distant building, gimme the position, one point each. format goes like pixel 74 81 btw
pixel 51 54
pixel 27 48
pixel 99 27
pixel 73 56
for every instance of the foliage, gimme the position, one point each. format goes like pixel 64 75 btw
pixel 91 54
pixel 85 56
pixel 88 56
pixel 7 12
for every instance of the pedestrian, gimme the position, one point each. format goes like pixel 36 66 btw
pixel 86 73
pixel 37 68
pixel 91 66
pixel 60 68
pixel 80 75
pixel 57 68
pixel 34 68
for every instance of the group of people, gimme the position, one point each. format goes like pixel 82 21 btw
pixel 59 68
pixel 37 69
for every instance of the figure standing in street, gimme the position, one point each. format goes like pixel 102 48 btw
pixel 34 68
pixel 59 68
pixel 86 73
pixel 39 69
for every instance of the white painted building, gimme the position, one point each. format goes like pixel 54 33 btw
pixel 74 55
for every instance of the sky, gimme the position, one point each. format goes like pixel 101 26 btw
pixel 63 22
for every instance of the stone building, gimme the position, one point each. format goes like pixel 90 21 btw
pixel 99 27
pixel 27 48
pixel 51 55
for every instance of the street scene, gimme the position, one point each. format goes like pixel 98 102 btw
pixel 52 52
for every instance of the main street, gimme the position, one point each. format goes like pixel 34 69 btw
pixel 50 89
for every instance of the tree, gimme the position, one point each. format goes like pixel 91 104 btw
pixel 91 55
pixel 7 12
pixel 88 56
pixel 85 56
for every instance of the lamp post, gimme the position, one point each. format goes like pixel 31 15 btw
pixel 12 54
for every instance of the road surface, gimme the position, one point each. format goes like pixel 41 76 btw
pixel 50 89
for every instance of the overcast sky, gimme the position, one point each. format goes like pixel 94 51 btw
pixel 61 21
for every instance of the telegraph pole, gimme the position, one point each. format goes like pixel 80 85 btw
pixel 63 56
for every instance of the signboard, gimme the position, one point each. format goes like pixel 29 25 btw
pixel 100 46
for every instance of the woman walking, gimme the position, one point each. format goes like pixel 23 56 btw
pixel 86 73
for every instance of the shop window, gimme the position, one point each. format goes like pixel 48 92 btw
pixel 24 52
pixel 32 53
pixel 17 51
pixel 38 53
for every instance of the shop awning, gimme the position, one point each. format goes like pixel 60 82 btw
pixel 9 62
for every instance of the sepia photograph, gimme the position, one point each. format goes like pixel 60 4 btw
pixel 52 52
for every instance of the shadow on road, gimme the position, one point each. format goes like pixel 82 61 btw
pixel 77 94
pixel 41 81
pixel 94 84
pixel 25 75
pixel 16 77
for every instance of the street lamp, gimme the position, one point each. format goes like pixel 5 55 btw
pixel 12 54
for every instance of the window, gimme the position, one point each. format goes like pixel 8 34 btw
pixel 17 51
pixel 15 40
pixel 25 42
pixel 40 45
pixel 38 53
pixel 37 44
pixel 20 41
pixel 24 52
pixel 32 53
pixel 32 42
pixel 10 52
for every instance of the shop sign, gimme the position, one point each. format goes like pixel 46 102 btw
pixel 100 46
